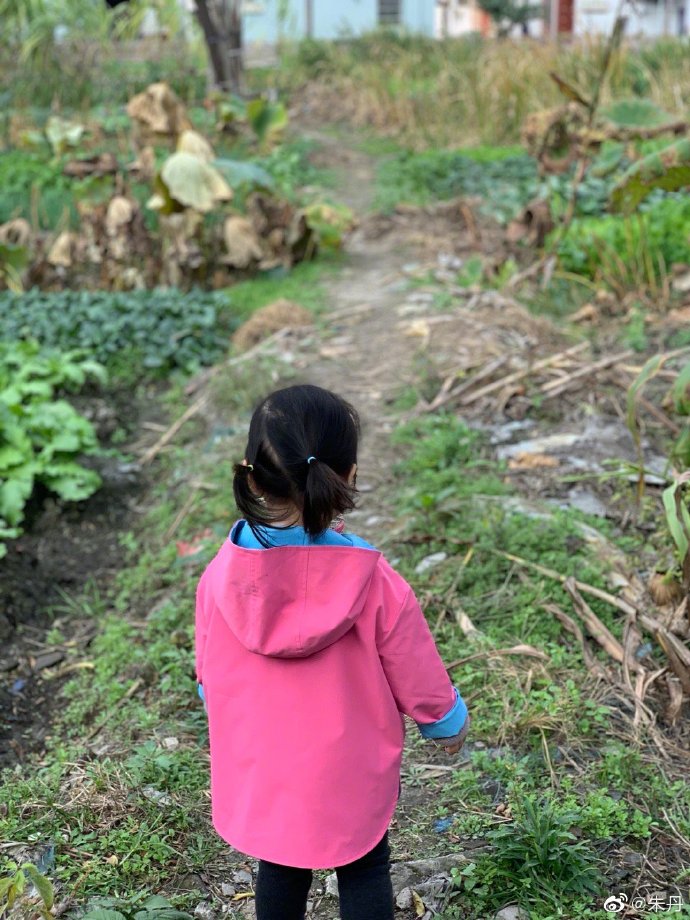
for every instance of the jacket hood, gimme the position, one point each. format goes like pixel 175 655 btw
pixel 291 601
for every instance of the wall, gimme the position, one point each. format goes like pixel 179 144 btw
pixel 331 19
pixel 648 19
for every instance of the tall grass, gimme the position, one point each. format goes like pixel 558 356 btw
pixel 470 90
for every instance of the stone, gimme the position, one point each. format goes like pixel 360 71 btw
pixel 430 562
pixel 404 900
pixel 204 911
pixel 332 886
pixel 242 877
pixel 511 912
pixel 418 873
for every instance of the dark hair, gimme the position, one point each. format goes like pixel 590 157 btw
pixel 301 447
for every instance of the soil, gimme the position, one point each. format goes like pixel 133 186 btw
pixel 65 549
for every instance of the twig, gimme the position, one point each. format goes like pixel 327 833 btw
pixel 526 372
pixel 556 387
pixel 527 651
pixel 153 452
pixel 595 627
pixel 611 599
pixel 183 512
pixel 123 699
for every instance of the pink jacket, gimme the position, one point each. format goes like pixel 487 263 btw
pixel 308 656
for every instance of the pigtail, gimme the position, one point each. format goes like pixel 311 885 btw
pixel 326 495
pixel 245 498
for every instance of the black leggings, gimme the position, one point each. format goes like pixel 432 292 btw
pixel 364 887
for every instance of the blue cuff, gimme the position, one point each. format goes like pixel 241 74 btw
pixel 202 697
pixel 450 725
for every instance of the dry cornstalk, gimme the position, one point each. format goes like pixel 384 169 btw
pixel 525 372
pixel 591 662
pixel 600 633
pixel 556 387
pixel 611 599
pixel 447 395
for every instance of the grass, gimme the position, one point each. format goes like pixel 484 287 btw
pixel 460 92
pixel 554 750
pixel 303 284
pixel 121 795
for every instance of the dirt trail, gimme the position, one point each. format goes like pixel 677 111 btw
pixel 367 358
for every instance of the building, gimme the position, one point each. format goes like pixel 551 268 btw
pixel 269 21
pixel 572 18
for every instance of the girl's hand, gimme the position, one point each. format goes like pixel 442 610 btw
pixel 453 745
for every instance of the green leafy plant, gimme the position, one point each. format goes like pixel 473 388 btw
pixel 506 183
pixel 537 857
pixel 13 887
pixel 152 908
pixel 41 435
pixel 632 253
pixel 28 177
pixel 133 333
pixel 267 120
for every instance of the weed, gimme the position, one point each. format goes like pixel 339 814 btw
pixel 630 253
pixel 537 857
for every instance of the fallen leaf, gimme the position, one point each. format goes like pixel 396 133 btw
pixel 526 461
pixel 195 545
pixel 419 908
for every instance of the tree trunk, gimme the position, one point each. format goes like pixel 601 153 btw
pixel 309 17
pixel 221 23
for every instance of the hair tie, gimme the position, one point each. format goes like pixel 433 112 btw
pixel 310 460
pixel 249 467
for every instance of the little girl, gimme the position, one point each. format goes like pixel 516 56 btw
pixel 309 650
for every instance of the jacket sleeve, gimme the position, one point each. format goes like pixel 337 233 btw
pixel 415 672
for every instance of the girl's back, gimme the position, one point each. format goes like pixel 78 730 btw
pixel 310 647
